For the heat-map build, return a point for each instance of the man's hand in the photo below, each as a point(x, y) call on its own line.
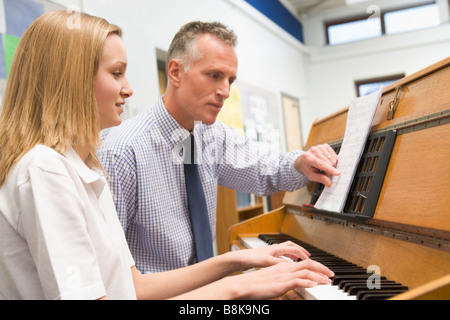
point(318, 164)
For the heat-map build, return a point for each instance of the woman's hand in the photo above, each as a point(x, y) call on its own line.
point(274, 281)
point(268, 256)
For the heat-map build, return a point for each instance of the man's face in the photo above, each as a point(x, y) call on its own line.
point(206, 85)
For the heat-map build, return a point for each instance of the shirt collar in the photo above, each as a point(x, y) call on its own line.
point(88, 175)
point(170, 129)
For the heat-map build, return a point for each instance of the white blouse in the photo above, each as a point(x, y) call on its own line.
point(60, 237)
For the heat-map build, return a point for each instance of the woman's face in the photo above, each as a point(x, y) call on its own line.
point(111, 86)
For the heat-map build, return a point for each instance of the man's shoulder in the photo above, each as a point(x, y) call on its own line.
point(125, 135)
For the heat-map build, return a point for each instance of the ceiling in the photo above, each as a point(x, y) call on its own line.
point(304, 8)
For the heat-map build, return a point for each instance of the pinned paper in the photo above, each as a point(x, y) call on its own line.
point(10, 44)
point(19, 14)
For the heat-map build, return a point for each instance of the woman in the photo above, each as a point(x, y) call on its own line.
point(60, 235)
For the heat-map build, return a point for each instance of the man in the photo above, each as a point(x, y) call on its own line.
point(144, 157)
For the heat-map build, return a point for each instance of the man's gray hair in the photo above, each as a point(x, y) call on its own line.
point(184, 44)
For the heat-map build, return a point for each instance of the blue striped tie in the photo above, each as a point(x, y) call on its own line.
point(197, 207)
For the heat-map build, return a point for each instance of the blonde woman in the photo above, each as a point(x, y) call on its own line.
point(60, 235)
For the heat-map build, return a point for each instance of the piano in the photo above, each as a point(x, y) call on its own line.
point(400, 250)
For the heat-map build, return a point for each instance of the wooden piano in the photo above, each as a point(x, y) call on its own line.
point(408, 236)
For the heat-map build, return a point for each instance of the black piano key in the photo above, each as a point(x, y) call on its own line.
point(332, 261)
point(348, 276)
point(338, 278)
point(354, 290)
point(345, 284)
point(371, 294)
point(349, 272)
point(380, 296)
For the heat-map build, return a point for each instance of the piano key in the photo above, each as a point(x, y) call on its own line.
point(354, 290)
point(347, 274)
point(378, 296)
point(349, 271)
point(345, 284)
point(324, 292)
point(338, 278)
point(252, 242)
point(372, 294)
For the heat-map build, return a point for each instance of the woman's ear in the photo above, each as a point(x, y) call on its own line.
point(175, 71)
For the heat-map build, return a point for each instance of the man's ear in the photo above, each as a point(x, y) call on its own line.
point(175, 72)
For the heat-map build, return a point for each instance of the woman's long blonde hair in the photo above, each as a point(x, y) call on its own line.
point(50, 97)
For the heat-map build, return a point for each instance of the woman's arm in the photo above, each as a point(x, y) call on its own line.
point(267, 283)
point(200, 281)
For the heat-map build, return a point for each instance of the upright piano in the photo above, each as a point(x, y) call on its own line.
point(405, 239)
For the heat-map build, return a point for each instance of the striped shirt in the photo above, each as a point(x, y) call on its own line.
point(144, 160)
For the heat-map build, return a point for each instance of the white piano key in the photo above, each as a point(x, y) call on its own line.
point(253, 243)
point(321, 292)
point(324, 292)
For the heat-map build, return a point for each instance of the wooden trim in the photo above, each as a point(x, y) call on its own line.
point(266, 223)
point(438, 289)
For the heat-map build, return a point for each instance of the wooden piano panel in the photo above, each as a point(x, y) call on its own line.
point(416, 190)
point(329, 129)
point(400, 260)
point(425, 270)
point(426, 92)
point(409, 235)
point(417, 183)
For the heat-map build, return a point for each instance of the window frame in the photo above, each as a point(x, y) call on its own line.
point(392, 77)
point(365, 16)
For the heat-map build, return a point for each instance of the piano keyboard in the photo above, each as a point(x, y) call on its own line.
point(350, 281)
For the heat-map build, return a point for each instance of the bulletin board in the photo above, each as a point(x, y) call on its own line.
point(252, 111)
point(292, 122)
point(15, 17)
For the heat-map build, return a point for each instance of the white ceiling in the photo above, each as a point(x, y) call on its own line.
point(305, 8)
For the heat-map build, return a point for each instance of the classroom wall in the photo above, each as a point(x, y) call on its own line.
point(269, 58)
point(320, 76)
point(332, 70)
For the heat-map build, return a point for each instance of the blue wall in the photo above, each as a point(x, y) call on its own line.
point(276, 12)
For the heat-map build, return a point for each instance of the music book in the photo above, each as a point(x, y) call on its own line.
point(359, 122)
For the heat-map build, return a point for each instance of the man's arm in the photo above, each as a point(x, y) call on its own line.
point(260, 169)
point(318, 164)
point(121, 177)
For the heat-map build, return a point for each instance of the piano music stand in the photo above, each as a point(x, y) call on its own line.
point(363, 195)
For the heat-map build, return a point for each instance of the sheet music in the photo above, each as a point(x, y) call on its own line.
point(359, 122)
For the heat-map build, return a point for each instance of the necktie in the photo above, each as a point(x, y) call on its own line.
point(197, 207)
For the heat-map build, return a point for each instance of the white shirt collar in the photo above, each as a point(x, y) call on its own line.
point(88, 175)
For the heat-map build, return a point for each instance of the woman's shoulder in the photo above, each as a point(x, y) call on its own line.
point(42, 158)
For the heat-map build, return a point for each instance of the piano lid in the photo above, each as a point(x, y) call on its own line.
point(415, 193)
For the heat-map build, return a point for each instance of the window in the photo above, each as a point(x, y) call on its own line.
point(412, 19)
point(367, 86)
point(378, 23)
point(353, 31)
